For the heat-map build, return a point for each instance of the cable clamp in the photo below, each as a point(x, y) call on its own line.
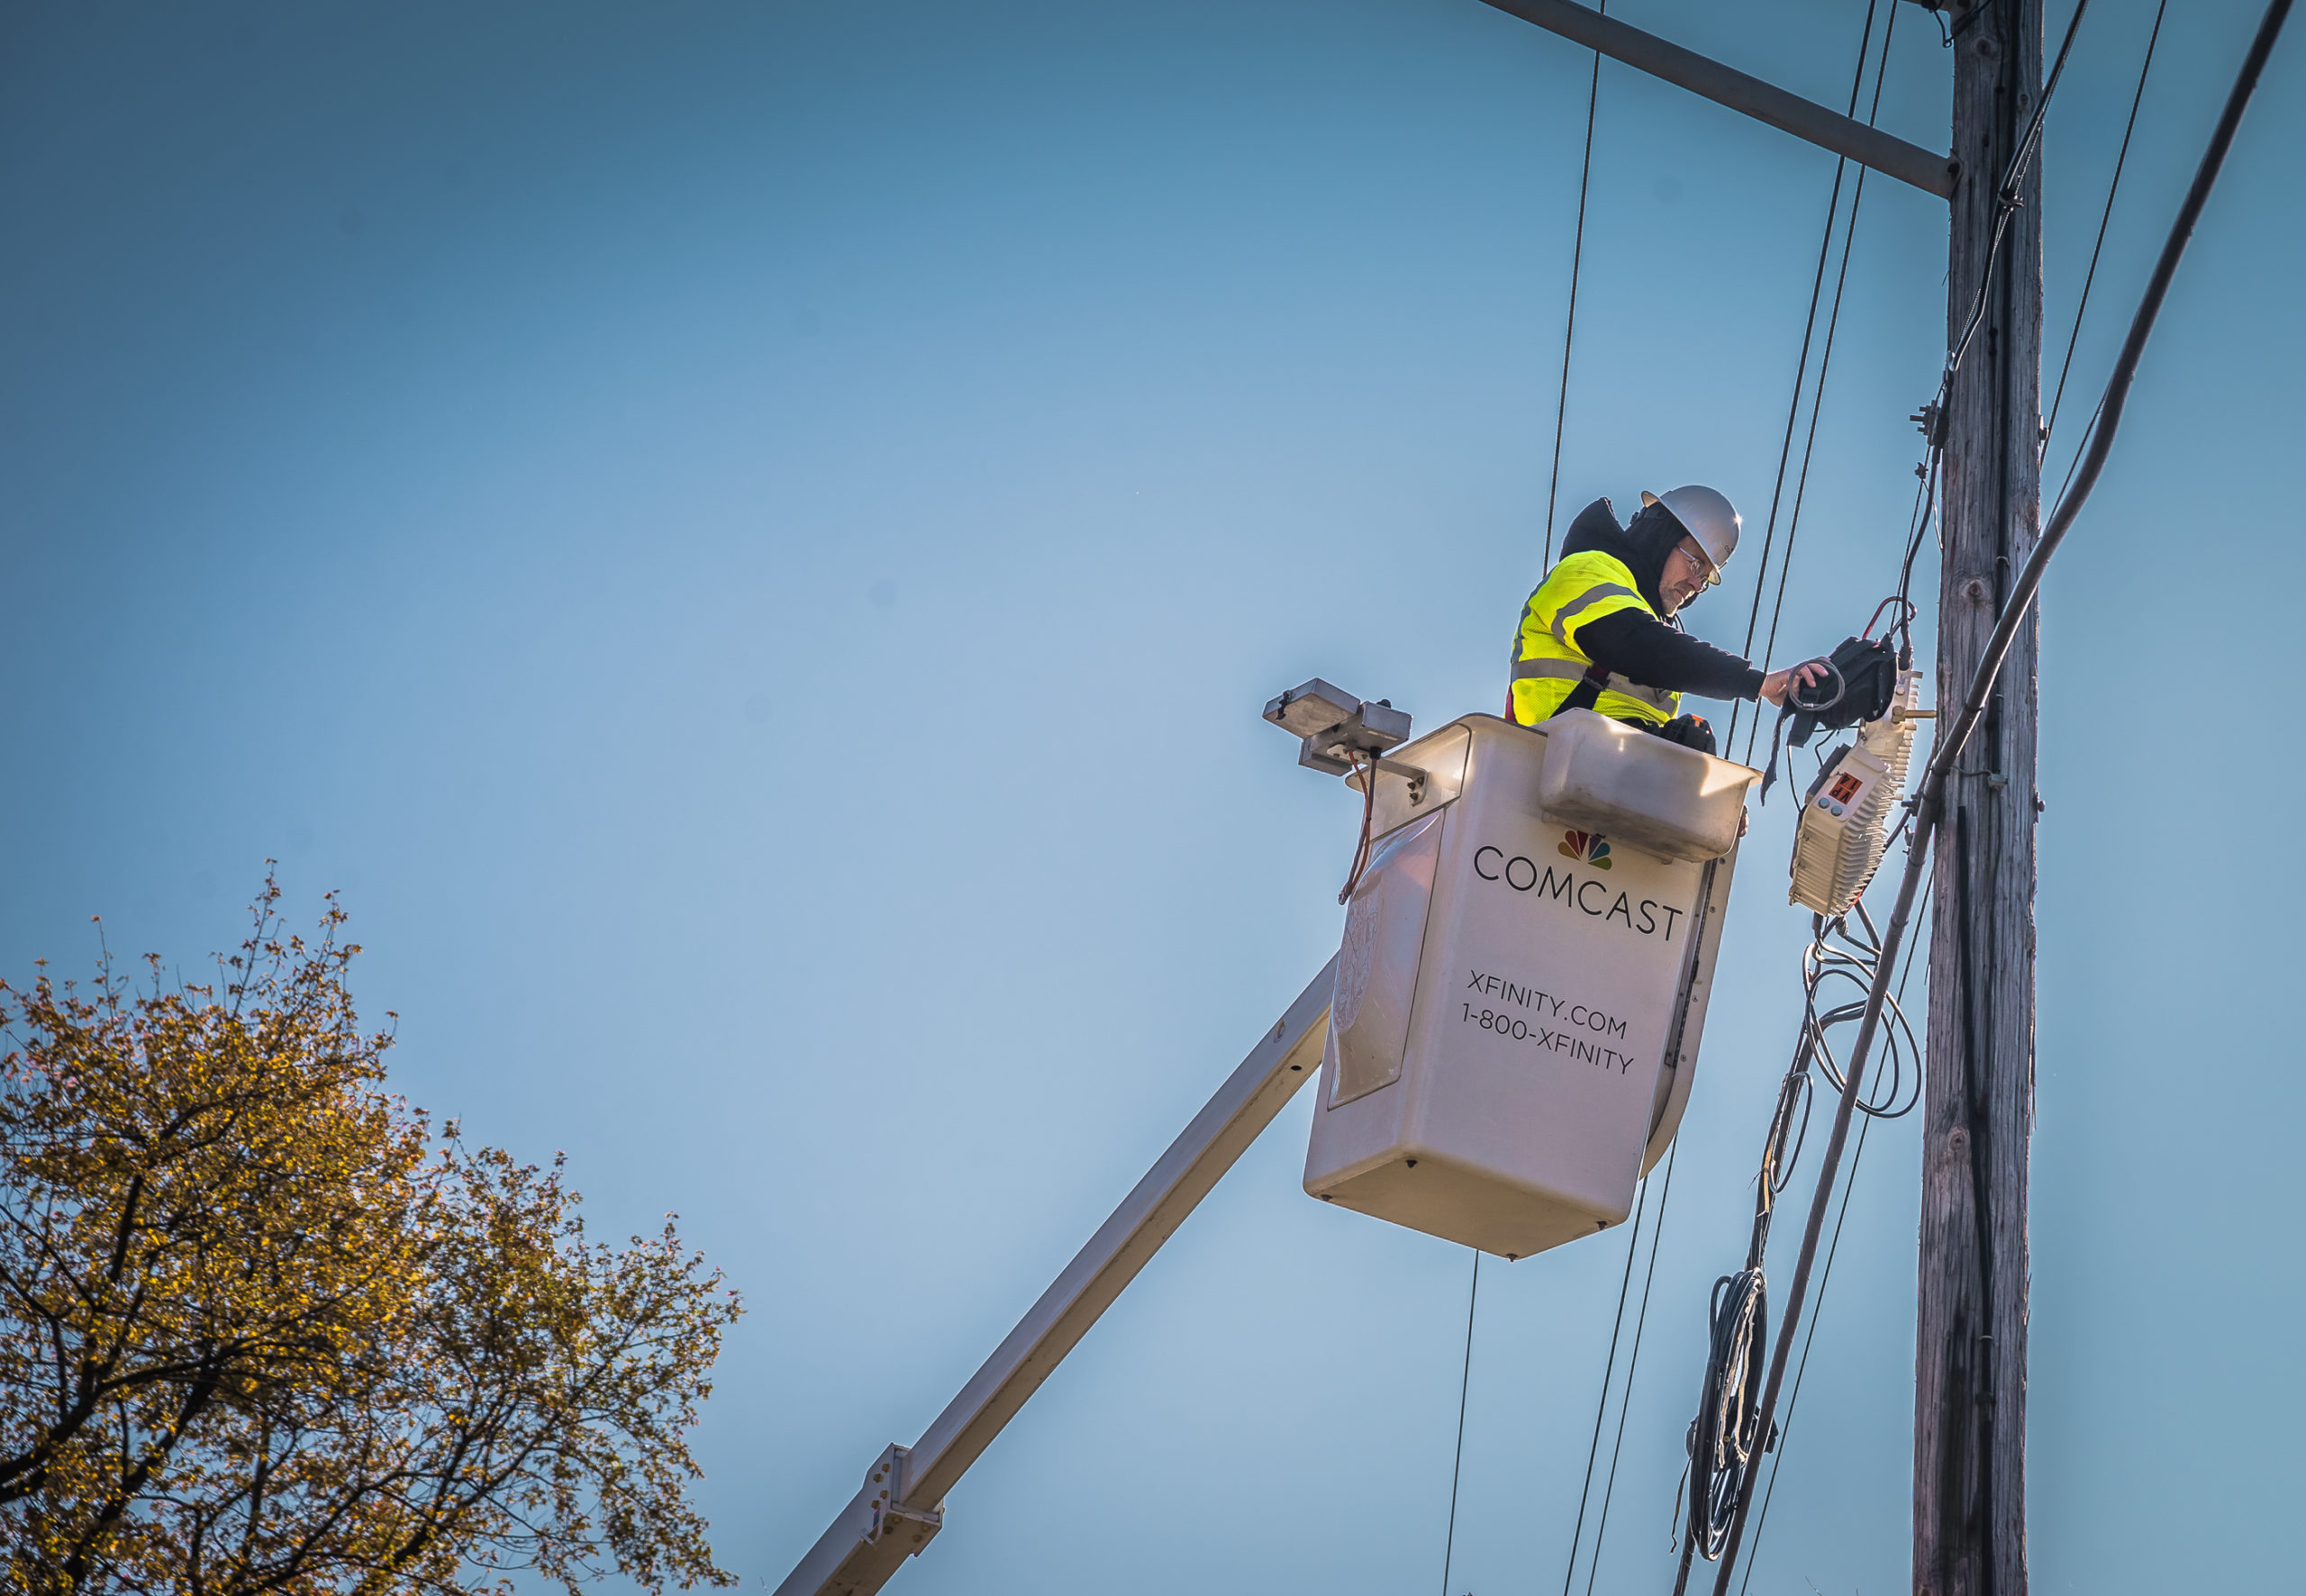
point(1930, 422)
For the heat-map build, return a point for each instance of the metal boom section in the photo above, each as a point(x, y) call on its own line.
point(901, 1505)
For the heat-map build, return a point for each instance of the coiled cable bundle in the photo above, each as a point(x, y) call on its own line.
point(1725, 1440)
point(1723, 1437)
point(1839, 953)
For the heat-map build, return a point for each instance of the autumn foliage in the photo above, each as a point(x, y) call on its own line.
point(262, 1330)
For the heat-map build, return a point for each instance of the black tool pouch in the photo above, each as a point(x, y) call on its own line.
point(1865, 673)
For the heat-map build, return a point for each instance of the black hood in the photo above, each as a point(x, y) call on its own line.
point(1642, 547)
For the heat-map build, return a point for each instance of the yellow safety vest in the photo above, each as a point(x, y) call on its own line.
point(1548, 664)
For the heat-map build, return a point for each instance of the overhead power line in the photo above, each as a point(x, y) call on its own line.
point(1928, 803)
point(1808, 331)
point(1465, 1385)
point(2090, 277)
point(1569, 328)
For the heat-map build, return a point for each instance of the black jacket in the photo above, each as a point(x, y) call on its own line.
point(1642, 648)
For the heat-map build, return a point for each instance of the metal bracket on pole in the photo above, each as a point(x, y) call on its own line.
point(885, 1493)
point(1846, 136)
point(901, 1505)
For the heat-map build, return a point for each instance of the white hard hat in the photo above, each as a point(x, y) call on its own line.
point(1705, 515)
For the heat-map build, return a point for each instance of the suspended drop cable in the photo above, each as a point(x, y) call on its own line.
point(1817, 402)
point(1809, 447)
point(1632, 1367)
point(1825, 247)
point(1838, 955)
point(1569, 328)
point(1801, 365)
point(1464, 1385)
point(1793, 418)
point(1729, 1435)
point(1928, 802)
point(2112, 188)
point(1609, 1372)
point(2011, 179)
point(2074, 463)
point(2090, 277)
point(1925, 516)
point(1777, 1453)
point(1734, 1426)
point(1825, 1279)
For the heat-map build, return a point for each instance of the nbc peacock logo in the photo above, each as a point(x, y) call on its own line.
point(1587, 848)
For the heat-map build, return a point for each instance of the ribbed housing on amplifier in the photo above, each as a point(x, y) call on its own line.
point(1843, 828)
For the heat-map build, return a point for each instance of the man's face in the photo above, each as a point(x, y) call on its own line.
point(1687, 574)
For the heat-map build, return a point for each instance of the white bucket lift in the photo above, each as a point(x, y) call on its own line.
point(1580, 870)
point(1524, 978)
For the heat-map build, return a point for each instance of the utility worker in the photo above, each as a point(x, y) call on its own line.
point(1602, 630)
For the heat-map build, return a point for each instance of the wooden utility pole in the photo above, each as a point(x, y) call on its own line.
point(1969, 1464)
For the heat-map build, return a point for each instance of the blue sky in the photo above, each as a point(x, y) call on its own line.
point(749, 542)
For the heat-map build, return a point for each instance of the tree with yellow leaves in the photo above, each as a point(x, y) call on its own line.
point(261, 1330)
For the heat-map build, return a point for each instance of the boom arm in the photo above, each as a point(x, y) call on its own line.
point(901, 1505)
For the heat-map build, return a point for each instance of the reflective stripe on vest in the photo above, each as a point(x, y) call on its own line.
point(1547, 664)
point(1568, 670)
point(1585, 600)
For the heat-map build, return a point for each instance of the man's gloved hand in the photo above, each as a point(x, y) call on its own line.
point(1774, 685)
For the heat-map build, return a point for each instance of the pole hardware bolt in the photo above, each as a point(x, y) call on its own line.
point(1929, 421)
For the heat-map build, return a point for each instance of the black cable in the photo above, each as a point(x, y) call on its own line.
point(1825, 1279)
point(1925, 508)
point(2116, 397)
point(1368, 818)
point(1727, 1436)
point(1632, 1366)
point(1730, 1439)
point(1609, 1372)
point(1976, 1145)
point(2011, 178)
point(1933, 415)
point(1802, 366)
point(1853, 961)
point(1778, 1456)
point(1730, 1430)
point(1817, 400)
point(2090, 277)
point(1465, 1385)
point(2074, 463)
point(1927, 805)
point(1570, 328)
